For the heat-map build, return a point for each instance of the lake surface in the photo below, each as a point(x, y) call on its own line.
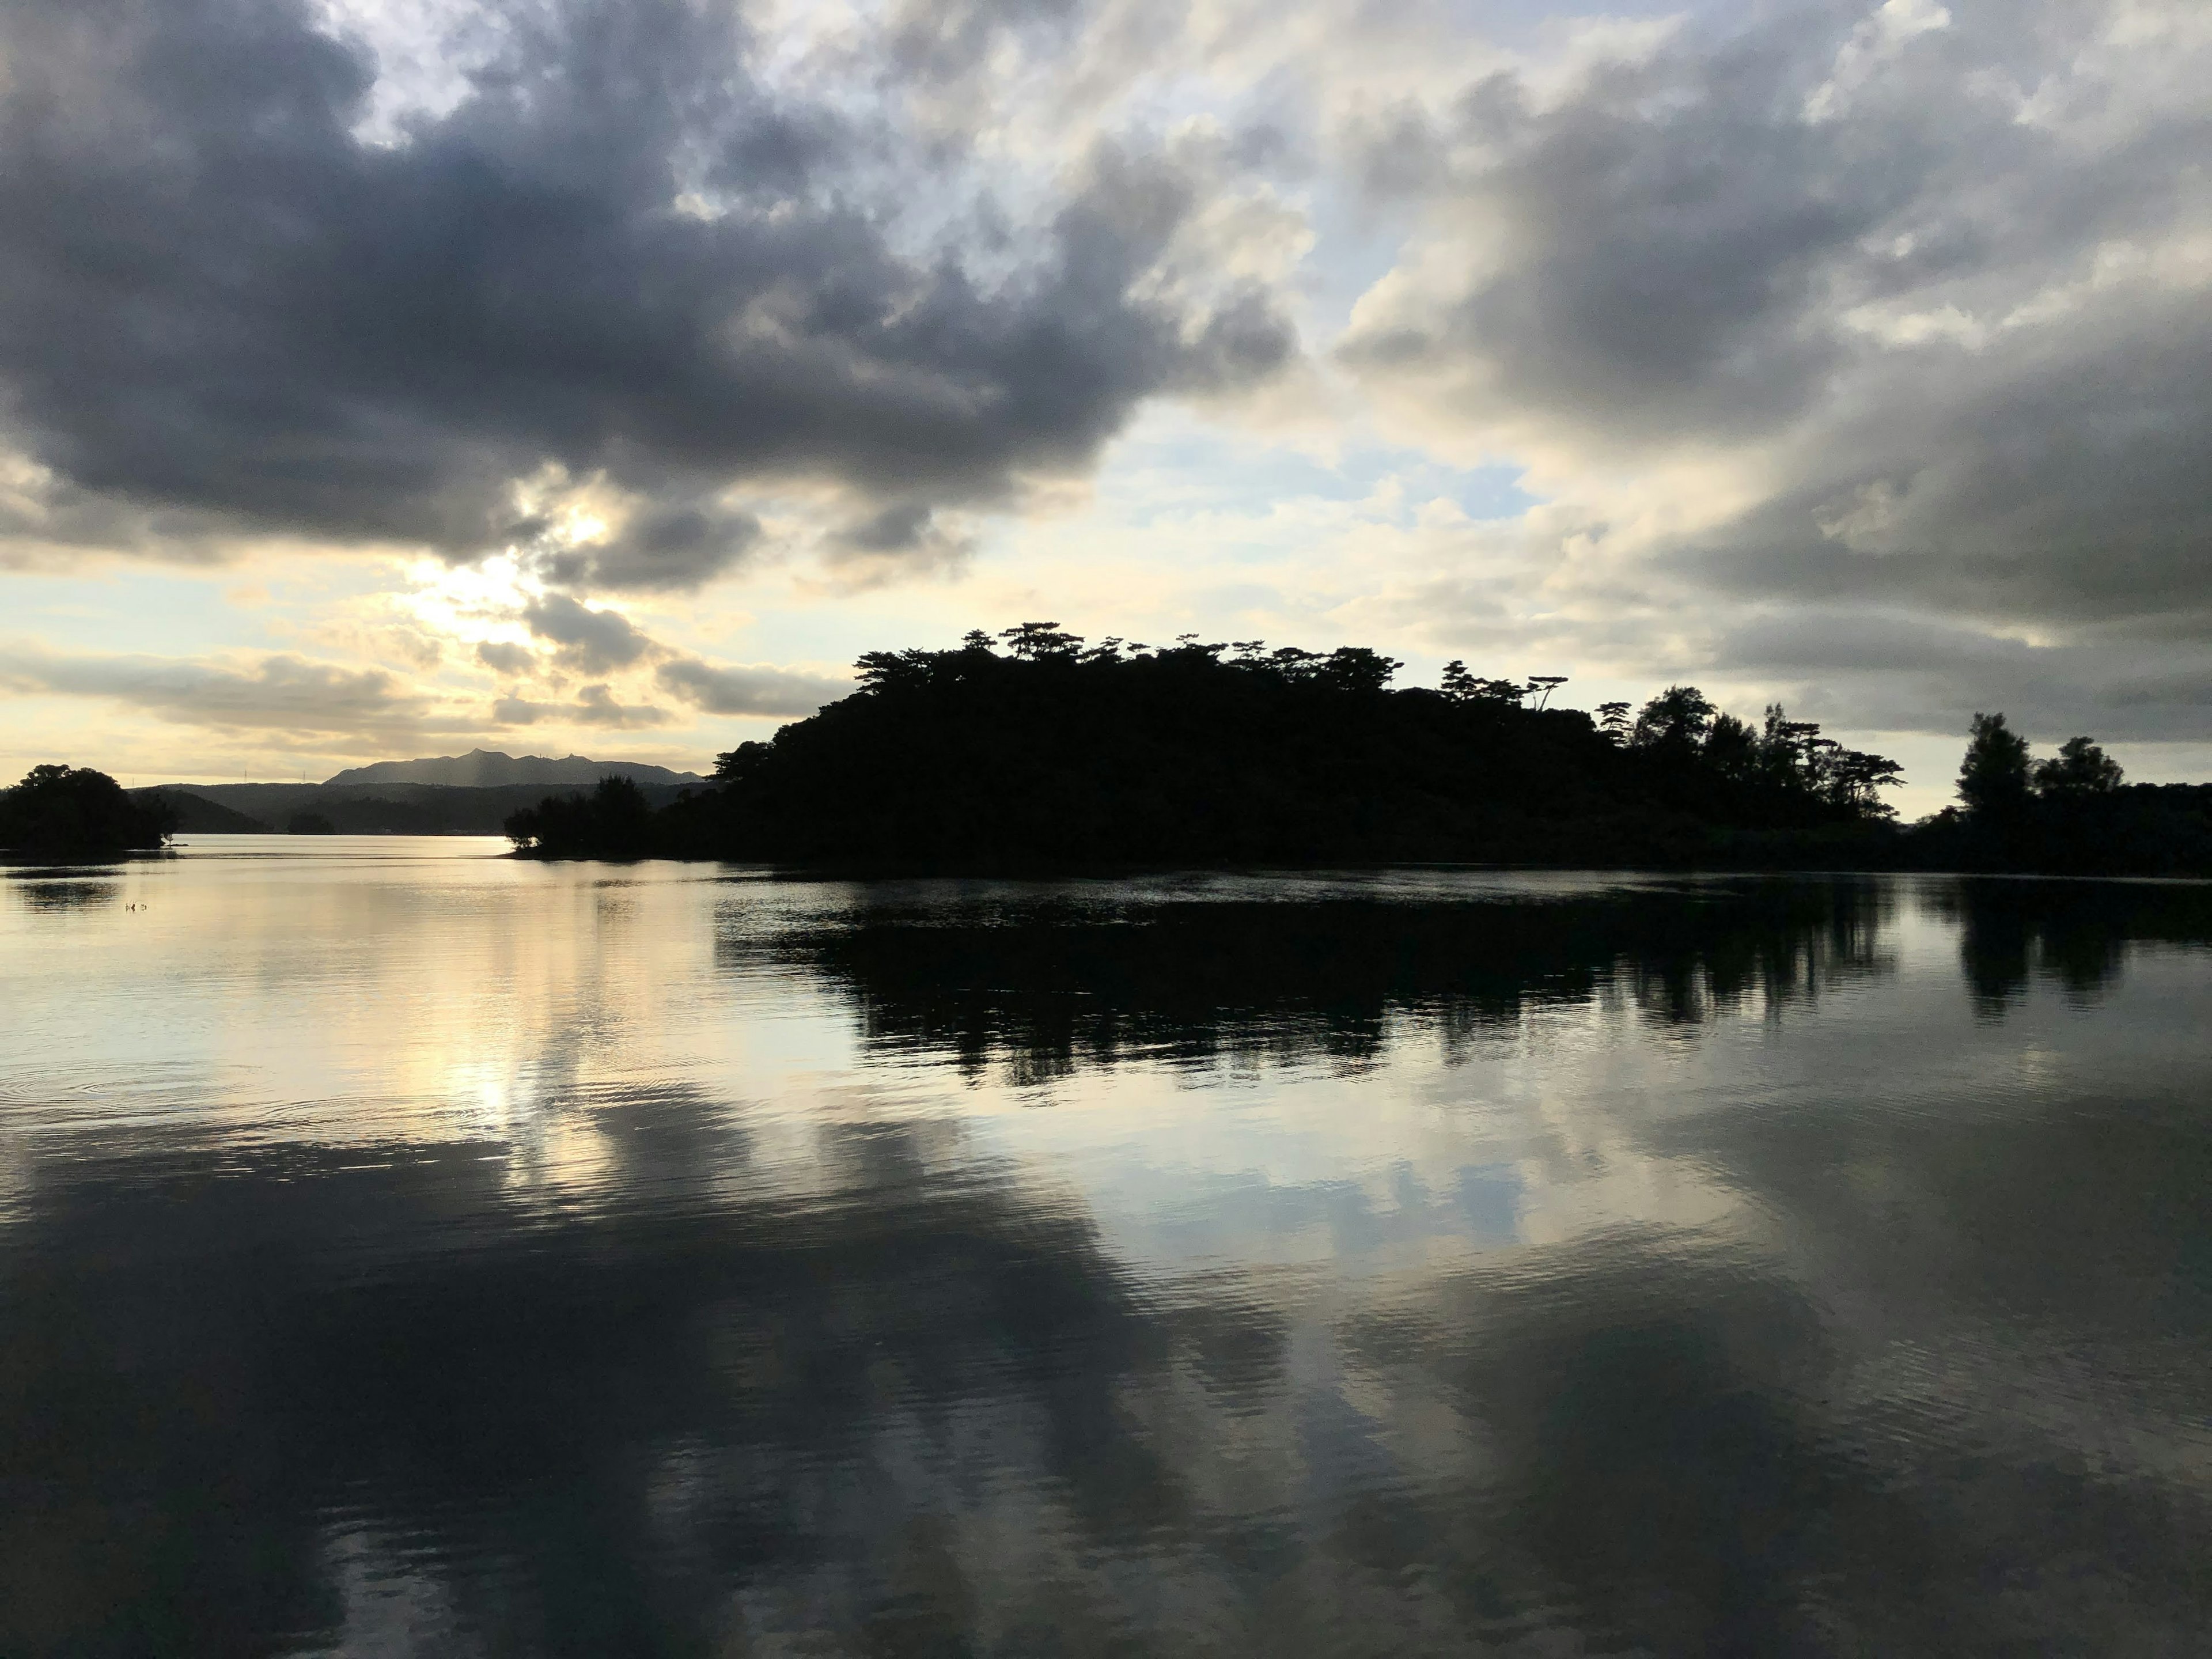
point(404, 1250)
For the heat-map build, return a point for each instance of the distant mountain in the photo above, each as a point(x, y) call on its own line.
point(483, 769)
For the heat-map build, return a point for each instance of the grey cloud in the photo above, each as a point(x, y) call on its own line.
point(591, 641)
point(943, 43)
point(1973, 390)
point(1652, 256)
point(218, 306)
point(662, 549)
point(281, 693)
point(2059, 479)
point(595, 705)
point(903, 537)
point(506, 658)
point(748, 690)
point(1896, 671)
point(895, 530)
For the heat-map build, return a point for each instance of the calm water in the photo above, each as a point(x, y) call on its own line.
point(402, 1250)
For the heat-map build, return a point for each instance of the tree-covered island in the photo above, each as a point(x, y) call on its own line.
point(69, 814)
point(1052, 754)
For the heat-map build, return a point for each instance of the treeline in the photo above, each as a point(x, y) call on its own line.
point(1038, 750)
point(2071, 813)
point(68, 812)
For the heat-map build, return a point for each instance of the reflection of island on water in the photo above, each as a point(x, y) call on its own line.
point(1051, 984)
point(43, 891)
point(2077, 932)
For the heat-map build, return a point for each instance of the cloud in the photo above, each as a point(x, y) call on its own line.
point(748, 690)
point(595, 705)
point(278, 693)
point(503, 657)
point(904, 538)
point(1898, 310)
point(1895, 671)
point(287, 695)
point(227, 310)
point(591, 641)
point(659, 550)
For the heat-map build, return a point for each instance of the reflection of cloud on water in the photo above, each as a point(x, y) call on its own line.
point(393, 1405)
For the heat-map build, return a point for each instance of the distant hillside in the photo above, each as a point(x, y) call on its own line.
point(485, 768)
point(195, 813)
point(391, 808)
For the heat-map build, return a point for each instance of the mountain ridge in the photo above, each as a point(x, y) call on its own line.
point(483, 769)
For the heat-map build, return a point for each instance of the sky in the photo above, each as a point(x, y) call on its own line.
point(382, 378)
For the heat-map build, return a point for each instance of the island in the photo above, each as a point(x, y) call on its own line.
point(1036, 752)
point(69, 814)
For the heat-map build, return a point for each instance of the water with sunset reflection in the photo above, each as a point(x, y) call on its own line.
point(405, 1248)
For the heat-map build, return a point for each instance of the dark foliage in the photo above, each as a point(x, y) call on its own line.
point(309, 823)
point(2071, 815)
point(72, 813)
point(2138, 829)
point(1993, 778)
point(1053, 755)
point(614, 820)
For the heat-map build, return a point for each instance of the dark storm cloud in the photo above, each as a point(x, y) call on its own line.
point(747, 690)
point(218, 305)
point(1932, 269)
point(591, 641)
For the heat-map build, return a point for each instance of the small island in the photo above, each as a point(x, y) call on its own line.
point(1039, 752)
point(74, 815)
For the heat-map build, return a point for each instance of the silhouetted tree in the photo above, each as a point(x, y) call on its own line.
point(1037, 641)
point(1356, 668)
point(1731, 748)
point(2081, 768)
point(1857, 778)
point(1993, 778)
point(1463, 686)
point(1675, 721)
